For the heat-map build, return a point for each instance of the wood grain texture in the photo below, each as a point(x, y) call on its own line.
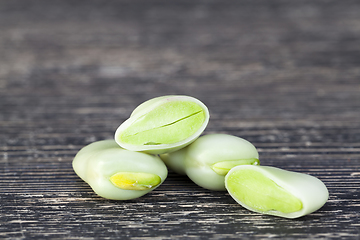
point(284, 75)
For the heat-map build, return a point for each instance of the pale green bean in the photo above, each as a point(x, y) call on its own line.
point(163, 124)
point(119, 174)
point(274, 191)
point(208, 159)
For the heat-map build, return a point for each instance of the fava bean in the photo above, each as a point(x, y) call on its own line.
point(163, 124)
point(274, 191)
point(119, 174)
point(208, 159)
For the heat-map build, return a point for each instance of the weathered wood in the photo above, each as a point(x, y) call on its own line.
point(282, 74)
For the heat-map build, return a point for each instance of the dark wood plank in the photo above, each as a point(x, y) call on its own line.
point(284, 75)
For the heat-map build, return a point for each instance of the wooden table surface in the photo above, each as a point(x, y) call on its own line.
point(284, 75)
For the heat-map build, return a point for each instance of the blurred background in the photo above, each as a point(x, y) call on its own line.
point(86, 64)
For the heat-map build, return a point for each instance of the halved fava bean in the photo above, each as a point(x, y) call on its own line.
point(208, 159)
point(116, 173)
point(274, 191)
point(163, 124)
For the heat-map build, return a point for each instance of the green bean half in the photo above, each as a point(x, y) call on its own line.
point(275, 191)
point(163, 124)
